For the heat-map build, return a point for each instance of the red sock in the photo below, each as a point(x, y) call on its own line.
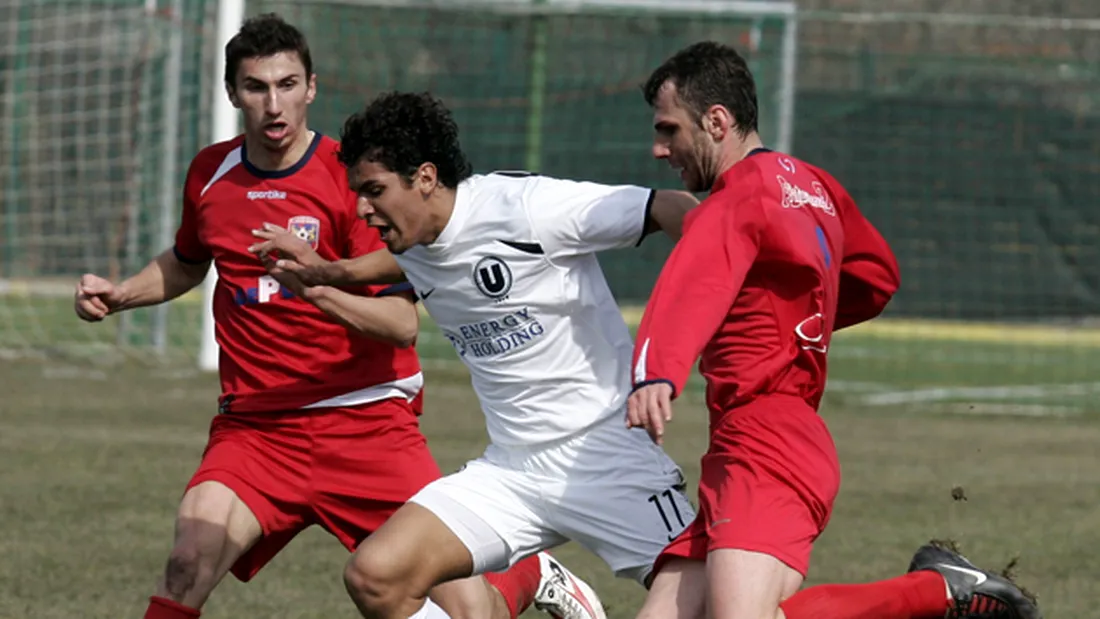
point(163, 608)
point(917, 595)
point(518, 585)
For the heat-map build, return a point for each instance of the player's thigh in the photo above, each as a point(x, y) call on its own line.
point(369, 460)
point(630, 510)
point(747, 585)
point(497, 513)
point(678, 591)
point(253, 464)
point(768, 482)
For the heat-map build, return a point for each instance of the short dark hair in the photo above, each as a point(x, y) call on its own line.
point(707, 74)
point(262, 36)
point(402, 131)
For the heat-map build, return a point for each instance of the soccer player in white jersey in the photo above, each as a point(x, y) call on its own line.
point(506, 266)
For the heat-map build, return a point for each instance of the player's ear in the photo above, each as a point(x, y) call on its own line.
point(311, 89)
point(231, 92)
point(718, 122)
point(427, 177)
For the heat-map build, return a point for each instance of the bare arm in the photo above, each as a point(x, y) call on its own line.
point(163, 279)
point(297, 257)
point(668, 210)
point(377, 267)
point(391, 319)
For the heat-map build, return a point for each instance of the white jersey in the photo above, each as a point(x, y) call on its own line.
point(514, 283)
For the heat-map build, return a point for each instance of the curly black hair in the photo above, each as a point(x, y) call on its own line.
point(402, 131)
point(707, 74)
point(262, 36)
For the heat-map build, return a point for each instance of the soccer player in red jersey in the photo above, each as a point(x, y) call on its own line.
point(315, 425)
point(773, 261)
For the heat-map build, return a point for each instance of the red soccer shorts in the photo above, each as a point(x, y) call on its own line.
point(346, 469)
point(768, 482)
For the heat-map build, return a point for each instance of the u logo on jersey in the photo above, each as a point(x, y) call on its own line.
point(493, 277)
point(306, 228)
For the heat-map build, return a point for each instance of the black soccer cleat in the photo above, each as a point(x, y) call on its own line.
point(977, 593)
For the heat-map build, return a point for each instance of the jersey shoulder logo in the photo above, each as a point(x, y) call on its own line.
point(493, 277)
point(306, 228)
point(797, 197)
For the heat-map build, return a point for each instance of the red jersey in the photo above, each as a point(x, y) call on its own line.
point(773, 261)
point(279, 352)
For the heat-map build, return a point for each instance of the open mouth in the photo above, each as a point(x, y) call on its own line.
point(383, 231)
point(276, 130)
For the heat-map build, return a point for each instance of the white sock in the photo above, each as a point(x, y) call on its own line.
point(430, 610)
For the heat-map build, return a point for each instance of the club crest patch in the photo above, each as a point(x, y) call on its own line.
point(306, 228)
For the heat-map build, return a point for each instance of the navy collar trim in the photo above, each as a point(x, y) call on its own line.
point(268, 174)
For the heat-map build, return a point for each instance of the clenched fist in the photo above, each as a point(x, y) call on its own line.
point(95, 297)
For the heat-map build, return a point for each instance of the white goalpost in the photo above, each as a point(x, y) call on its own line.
point(231, 13)
point(224, 126)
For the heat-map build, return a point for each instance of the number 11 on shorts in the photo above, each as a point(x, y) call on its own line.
point(656, 500)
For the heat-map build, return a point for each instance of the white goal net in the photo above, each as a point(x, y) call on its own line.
point(104, 102)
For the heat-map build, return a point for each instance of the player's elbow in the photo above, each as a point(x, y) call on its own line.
point(882, 293)
point(404, 326)
point(405, 337)
point(180, 276)
point(860, 304)
point(396, 334)
point(876, 282)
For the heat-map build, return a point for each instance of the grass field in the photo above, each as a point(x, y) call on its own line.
point(95, 456)
point(1011, 370)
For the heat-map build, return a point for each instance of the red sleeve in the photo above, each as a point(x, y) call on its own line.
point(869, 274)
point(696, 288)
point(189, 248)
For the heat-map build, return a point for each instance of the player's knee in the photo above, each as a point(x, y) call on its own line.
point(379, 583)
point(185, 572)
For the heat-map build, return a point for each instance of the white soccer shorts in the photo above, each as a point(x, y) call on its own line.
point(608, 488)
